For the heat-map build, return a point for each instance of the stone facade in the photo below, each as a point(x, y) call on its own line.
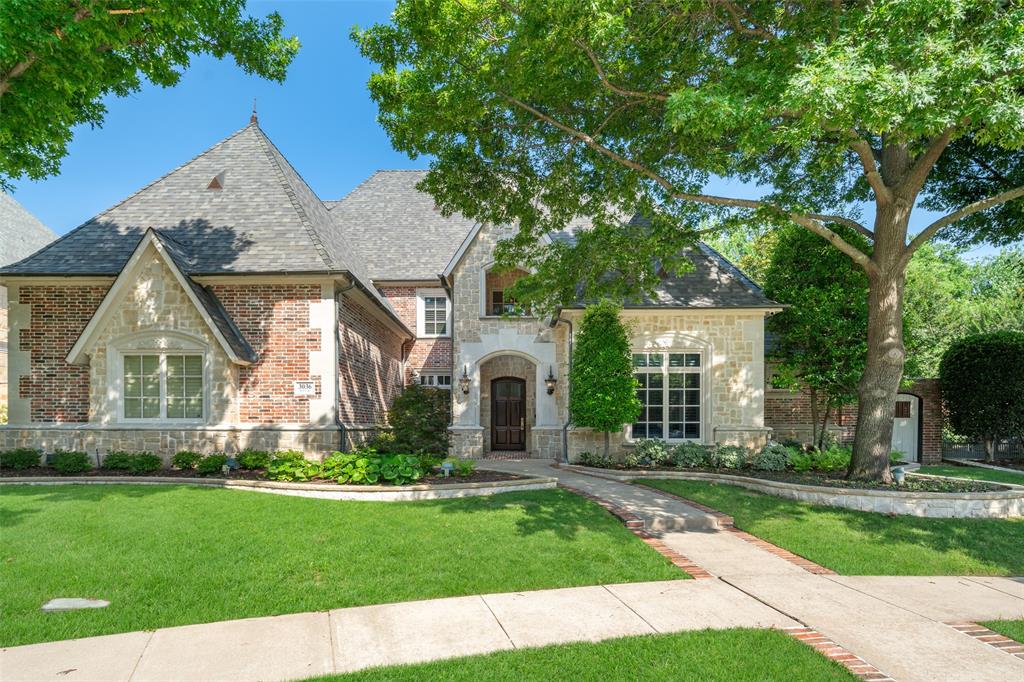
point(508, 366)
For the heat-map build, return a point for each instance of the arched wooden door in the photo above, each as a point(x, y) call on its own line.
point(508, 414)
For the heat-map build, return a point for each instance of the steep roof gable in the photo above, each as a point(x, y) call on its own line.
point(21, 233)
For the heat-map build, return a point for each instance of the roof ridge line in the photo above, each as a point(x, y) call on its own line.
point(352, 191)
point(134, 194)
point(318, 244)
point(733, 269)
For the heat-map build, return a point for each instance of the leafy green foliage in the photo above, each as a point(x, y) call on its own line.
point(982, 380)
point(463, 468)
point(689, 455)
point(186, 459)
point(70, 462)
point(211, 465)
point(253, 459)
point(651, 452)
point(132, 462)
point(419, 417)
point(728, 457)
point(59, 60)
point(19, 458)
point(603, 391)
point(292, 465)
point(820, 341)
point(774, 457)
point(595, 459)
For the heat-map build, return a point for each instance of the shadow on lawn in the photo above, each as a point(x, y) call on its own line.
point(545, 511)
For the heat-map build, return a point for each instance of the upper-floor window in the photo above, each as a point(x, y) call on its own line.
point(669, 389)
point(497, 301)
point(432, 313)
point(162, 386)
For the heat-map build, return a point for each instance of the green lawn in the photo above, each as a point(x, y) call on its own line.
point(704, 656)
point(1014, 629)
point(974, 473)
point(171, 555)
point(865, 543)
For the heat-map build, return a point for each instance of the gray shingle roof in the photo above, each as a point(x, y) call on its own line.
point(21, 233)
point(399, 230)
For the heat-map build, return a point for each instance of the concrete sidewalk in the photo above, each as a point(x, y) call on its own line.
point(309, 644)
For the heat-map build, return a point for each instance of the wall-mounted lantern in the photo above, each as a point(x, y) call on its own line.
point(551, 381)
point(464, 381)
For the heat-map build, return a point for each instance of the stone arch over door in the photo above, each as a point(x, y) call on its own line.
point(514, 367)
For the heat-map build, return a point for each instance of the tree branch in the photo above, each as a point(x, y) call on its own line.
point(813, 222)
point(867, 160)
point(735, 16)
point(918, 173)
point(967, 210)
point(661, 97)
point(21, 67)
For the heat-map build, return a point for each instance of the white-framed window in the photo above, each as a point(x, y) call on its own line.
point(436, 380)
point(433, 314)
point(670, 391)
point(165, 386)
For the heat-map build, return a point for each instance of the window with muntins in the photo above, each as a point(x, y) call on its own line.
point(163, 386)
point(436, 380)
point(435, 315)
point(670, 394)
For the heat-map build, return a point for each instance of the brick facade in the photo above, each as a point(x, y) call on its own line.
point(369, 363)
point(275, 320)
point(57, 391)
point(421, 354)
point(788, 413)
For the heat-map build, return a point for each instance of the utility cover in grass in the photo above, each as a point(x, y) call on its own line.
point(73, 604)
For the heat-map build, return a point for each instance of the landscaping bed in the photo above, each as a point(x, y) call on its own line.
point(862, 543)
point(179, 554)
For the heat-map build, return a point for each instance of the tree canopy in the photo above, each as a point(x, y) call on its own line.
point(59, 59)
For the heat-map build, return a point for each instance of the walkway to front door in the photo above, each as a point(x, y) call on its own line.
point(508, 414)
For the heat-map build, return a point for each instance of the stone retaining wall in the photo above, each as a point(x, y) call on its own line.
point(992, 505)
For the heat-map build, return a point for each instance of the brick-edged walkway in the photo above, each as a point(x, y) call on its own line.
point(728, 525)
point(990, 637)
point(829, 649)
point(636, 525)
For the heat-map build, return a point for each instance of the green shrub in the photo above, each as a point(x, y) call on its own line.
point(71, 462)
point(728, 457)
point(630, 458)
point(688, 455)
point(186, 459)
point(253, 459)
point(651, 452)
point(775, 457)
point(118, 461)
point(835, 458)
point(383, 441)
point(211, 464)
point(464, 468)
point(402, 469)
point(145, 462)
point(291, 465)
point(801, 461)
point(593, 459)
point(20, 458)
point(419, 418)
point(895, 457)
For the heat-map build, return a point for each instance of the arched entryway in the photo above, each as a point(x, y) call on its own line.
point(507, 403)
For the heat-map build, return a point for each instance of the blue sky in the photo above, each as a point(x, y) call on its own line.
point(321, 118)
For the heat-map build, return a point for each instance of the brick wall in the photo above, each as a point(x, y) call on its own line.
point(57, 391)
point(422, 354)
point(274, 319)
point(788, 413)
point(369, 365)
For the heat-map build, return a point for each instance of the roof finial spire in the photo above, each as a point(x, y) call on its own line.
point(252, 119)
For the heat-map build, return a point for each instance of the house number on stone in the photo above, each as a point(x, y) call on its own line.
point(305, 388)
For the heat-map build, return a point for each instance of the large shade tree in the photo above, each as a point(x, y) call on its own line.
point(59, 58)
point(831, 113)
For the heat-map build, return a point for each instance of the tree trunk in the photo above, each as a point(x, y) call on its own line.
point(883, 370)
point(990, 449)
point(824, 426)
point(815, 441)
point(607, 444)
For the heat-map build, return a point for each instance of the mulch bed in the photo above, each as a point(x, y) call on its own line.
point(478, 476)
point(837, 480)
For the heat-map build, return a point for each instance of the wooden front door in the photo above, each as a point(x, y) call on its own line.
point(508, 414)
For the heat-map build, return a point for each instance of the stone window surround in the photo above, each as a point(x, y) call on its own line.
point(485, 303)
point(421, 295)
point(677, 342)
point(153, 343)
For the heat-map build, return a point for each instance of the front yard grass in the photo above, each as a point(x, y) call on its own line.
point(172, 555)
point(1014, 629)
point(702, 656)
point(865, 543)
point(973, 473)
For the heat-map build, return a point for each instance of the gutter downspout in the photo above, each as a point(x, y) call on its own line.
point(451, 349)
point(338, 296)
point(568, 388)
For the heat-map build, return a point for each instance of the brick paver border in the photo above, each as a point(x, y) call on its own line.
point(990, 637)
point(829, 649)
point(728, 524)
point(635, 525)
